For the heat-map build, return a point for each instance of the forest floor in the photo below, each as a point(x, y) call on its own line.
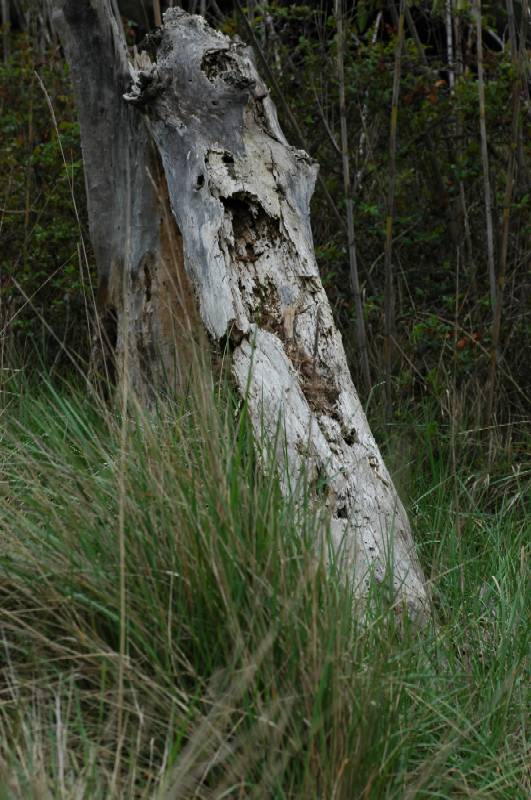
point(168, 631)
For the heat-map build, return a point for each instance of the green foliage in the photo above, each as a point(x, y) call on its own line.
point(44, 273)
point(248, 670)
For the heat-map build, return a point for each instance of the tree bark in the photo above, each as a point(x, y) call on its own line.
point(389, 291)
point(476, 10)
point(137, 244)
point(192, 183)
point(361, 334)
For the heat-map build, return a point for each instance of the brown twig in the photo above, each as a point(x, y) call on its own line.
point(485, 155)
point(504, 245)
point(389, 300)
point(361, 334)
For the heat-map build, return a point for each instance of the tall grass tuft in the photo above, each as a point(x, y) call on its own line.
point(247, 673)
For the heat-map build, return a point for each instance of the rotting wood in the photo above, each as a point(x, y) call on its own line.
point(239, 196)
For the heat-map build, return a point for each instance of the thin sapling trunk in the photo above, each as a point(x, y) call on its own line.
point(389, 298)
point(361, 335)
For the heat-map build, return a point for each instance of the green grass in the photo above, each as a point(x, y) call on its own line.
point(246, 673)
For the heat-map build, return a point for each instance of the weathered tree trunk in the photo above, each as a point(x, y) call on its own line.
point(191, 183)
point(137, 244)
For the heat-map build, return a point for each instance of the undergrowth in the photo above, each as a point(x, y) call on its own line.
point(237, 667)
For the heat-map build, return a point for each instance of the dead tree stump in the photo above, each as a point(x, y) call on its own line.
point(199, 212)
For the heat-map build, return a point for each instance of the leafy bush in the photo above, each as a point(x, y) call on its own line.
point(45, 273)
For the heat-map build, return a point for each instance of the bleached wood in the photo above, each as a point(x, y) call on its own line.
point(240, 196)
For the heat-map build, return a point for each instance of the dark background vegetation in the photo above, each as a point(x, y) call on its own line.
point(443, 308)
